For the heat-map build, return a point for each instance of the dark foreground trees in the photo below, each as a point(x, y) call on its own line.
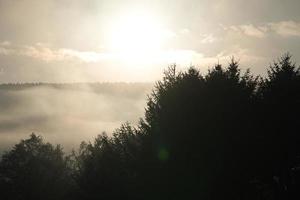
point(35, 170)
point(223, 135)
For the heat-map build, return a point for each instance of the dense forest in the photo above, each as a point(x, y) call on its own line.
point(219, 135)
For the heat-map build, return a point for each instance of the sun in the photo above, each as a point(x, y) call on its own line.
point(141, 40)
point(136, 33)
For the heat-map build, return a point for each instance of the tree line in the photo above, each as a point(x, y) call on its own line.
point(220, 135)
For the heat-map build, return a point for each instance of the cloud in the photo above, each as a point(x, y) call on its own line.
point(185, 31)
point(4, 51)
point(250, 30)
point(183, 57)
point(282, 28)
point(286, 28)
point(47, 54)
point(244, 55)
point(188, 57)
point(208, 38)
point(5, 43)
point(42, 52)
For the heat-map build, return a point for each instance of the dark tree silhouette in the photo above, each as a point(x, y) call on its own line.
point(203, 136)
point(34, 170)
point(106, 169)
point(279, 114)
point(203, 122)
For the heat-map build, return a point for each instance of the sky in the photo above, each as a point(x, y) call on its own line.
point(127, 40)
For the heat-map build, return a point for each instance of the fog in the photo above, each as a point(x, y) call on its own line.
point(68, 113)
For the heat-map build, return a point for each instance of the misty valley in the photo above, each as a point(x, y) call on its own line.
point(68, 113)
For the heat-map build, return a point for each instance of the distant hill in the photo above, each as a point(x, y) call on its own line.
point(99, 87)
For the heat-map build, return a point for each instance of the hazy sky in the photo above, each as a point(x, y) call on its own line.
point(110, 40)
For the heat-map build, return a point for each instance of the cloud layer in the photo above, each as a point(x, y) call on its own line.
point(67, 40)
point(282, 28)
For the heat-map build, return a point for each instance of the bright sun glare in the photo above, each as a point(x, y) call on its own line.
point(139, 38)
point(137, 32)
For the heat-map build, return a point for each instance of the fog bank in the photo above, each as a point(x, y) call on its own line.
point(68, 113)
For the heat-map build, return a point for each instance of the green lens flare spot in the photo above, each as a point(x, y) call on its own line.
point(163, 155)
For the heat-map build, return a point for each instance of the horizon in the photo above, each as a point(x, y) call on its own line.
point(263, 73)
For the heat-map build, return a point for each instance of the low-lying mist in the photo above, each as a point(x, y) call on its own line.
point(68, 113)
